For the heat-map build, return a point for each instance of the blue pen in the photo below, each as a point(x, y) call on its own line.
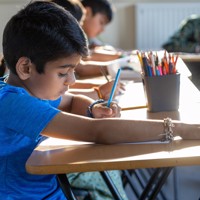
point(114, 87)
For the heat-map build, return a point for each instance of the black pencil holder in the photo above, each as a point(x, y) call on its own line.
point(162, 92)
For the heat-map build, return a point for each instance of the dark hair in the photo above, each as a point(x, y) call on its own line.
point(75, 7)
point(42, 32)
point(100, 6)
point(2, 66)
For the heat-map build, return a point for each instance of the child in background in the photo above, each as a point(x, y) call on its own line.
point(91, 90)
point(99, 13)
point(42, 44)
point(75, 7)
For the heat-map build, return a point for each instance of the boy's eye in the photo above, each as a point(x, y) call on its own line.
point(62, 75)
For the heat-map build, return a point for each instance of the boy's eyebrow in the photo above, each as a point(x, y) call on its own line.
point(67, 65)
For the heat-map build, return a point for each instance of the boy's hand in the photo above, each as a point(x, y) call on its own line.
point(107, 87)
point(102, 111)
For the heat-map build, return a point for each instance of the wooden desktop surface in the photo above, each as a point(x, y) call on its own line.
point(55, 156)
point(189, 57)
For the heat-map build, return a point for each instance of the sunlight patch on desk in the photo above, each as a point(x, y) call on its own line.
point(55, 143)
point(136, 99)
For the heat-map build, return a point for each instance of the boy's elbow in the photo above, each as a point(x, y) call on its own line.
point(102, 137)
point(103, 140)
point(101, 133)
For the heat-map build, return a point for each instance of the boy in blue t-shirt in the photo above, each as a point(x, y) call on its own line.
point(42, 44)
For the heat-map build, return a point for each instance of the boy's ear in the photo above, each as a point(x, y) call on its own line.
point(88, 12)
point(24, 68)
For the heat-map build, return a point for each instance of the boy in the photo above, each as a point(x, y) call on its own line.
point(75, 7)
point(42, 44)
point(94, 91)
point(99, 13)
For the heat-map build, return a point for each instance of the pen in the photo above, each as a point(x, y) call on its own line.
point(114, 87)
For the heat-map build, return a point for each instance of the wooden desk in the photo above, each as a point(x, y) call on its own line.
point(193, 63)
point(134, 97)
point(189, 57)
point(55, 156)
point(135, 64)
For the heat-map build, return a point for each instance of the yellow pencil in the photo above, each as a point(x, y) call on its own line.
point(134, 107)
point(140, 58)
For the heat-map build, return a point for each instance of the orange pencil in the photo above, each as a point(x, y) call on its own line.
point(174, 70)
point(176, 60)
point(166, 65)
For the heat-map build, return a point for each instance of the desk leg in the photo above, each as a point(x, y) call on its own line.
point(151, 182)
point(111, 185)
point(155, 183)
point(127, 179)
point(65, 185)
point(166, 172)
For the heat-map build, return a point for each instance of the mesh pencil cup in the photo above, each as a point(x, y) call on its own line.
point(162, 92)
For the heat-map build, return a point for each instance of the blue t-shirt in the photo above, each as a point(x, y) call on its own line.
point(22, 118)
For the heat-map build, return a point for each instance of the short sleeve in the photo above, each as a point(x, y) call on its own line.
point(25, 114)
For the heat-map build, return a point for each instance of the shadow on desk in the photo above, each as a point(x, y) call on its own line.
point(194, 67)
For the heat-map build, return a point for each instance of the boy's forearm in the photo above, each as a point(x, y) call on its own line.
point(88, 70)
point(104, 56)
point(83, 85)
point(75, 104)
point(87, 92)
point(139, 130)
point(80, 104)
point(113, 130)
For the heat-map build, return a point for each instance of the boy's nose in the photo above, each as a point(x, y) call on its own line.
point(71, 81)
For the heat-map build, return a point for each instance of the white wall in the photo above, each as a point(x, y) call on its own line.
point(119, 33)
point(7, 10)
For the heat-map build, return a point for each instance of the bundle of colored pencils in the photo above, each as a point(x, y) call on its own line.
point(152, 65)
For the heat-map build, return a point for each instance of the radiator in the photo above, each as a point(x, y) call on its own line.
point(156, 22)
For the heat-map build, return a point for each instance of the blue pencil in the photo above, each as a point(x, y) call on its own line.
point(114, 87)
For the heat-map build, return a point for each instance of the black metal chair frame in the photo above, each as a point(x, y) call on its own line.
point(150, 190)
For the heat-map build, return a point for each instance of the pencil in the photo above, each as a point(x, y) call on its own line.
point(114, 87)
point(104, 73)
point(134, 107)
